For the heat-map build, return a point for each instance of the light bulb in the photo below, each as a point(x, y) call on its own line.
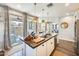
point(67, 4)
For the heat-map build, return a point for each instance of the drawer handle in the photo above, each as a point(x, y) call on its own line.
point(42, 45)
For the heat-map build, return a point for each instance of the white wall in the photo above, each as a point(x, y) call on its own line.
point(67, 34)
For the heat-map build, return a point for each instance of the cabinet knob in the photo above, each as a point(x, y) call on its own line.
point(43, 45)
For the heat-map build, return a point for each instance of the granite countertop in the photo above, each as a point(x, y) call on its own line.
point(34, 45)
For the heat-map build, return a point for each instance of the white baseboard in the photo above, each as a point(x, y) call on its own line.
point(68, 40)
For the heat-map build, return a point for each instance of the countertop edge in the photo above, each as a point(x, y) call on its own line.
point(37, 43)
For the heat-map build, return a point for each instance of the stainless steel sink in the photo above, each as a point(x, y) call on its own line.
point(46, 36)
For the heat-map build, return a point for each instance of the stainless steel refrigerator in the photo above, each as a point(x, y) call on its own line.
point(77, 37)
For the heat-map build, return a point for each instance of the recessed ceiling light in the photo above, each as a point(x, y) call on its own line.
point(67, 13)
point(67, 4)
point(18, 6)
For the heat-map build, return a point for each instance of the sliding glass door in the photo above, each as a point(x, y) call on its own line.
point(16, 29)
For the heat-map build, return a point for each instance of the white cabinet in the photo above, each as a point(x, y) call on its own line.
point(44, 49)
point(30, 51)
point(48, 47)
point(52, 44)
point(41, 50)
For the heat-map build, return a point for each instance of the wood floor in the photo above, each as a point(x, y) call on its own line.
point(65, 48)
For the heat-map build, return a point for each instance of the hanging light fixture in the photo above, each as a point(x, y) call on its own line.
point(48, 14)
point(35, 8)
point(42, 16)
point(34, 18)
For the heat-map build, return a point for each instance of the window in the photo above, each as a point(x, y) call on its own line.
point(16, 29)
point(55, 27)
point(31, 25)
point(1, 28)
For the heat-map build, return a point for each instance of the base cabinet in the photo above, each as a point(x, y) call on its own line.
point(41, 50)
point(44, 49)
point(48, 48)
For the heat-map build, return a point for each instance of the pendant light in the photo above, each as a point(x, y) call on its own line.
point(34, 19)
point(48, 6)
point(48, 13)
point(42, 16)
point(47, 16)
point(35, 8)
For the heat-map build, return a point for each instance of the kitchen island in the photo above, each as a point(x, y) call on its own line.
point(42, 48)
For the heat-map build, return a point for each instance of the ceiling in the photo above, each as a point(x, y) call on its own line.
point(58, 9)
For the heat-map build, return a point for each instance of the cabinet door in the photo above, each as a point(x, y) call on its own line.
point(48, 47)
point(30, 51)
point(52, 44)
point(41, 50)
point(1, 34)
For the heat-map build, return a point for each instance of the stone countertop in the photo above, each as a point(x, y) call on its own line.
point(34, 45)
